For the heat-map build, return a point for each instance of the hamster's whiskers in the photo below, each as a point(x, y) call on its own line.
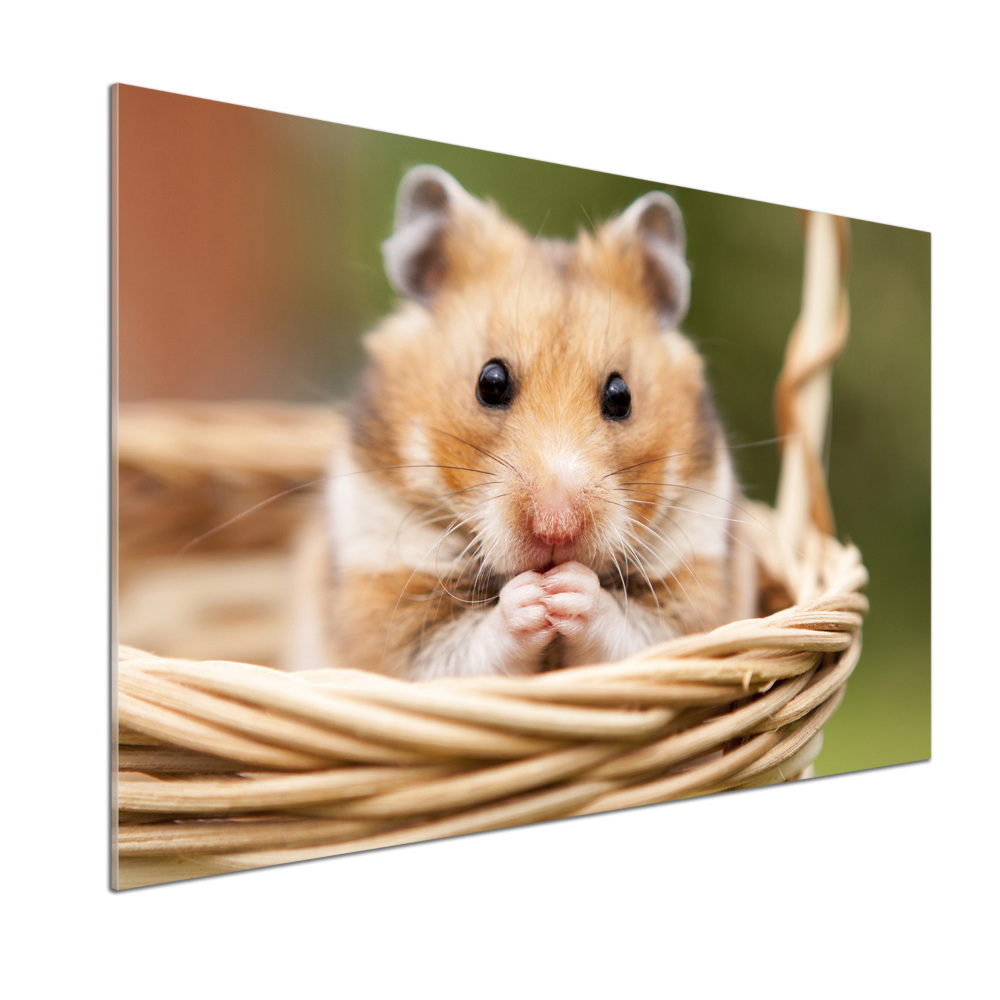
point(695, 489)
point(460, 570)
point(742, 542)
point(684, 563)
point(642, 569)
point(695, 451)
point(482, 451)
point(458, 522)
point(636, 559)
point(245, 513)
point(429, 504)
point(393, 468)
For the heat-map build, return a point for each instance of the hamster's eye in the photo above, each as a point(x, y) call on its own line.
point(616, 403)
point(495, 386)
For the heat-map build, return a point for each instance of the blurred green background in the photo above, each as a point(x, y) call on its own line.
point(251, 266)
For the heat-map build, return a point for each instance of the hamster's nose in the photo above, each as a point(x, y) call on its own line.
point(556, 519)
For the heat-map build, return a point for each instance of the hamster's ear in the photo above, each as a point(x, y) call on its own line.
point(653, 223)
point(429, 203)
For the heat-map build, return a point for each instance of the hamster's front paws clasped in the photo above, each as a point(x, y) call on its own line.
point(567, 601)
point(573, 599)
point(522, 605)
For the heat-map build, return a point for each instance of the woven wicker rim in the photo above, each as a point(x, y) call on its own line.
point(227, 765)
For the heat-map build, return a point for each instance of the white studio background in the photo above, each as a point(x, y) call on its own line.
point(876, 882)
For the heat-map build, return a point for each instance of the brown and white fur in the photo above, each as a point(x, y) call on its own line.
point(465, 539)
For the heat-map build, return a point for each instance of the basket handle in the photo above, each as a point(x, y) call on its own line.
point(802, 395)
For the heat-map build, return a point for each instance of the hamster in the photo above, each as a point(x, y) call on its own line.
point(532, 473)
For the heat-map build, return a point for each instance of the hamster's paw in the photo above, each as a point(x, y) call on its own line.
point(573, 599)
point(524, 613)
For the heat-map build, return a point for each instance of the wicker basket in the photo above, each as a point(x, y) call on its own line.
point(224, 766)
